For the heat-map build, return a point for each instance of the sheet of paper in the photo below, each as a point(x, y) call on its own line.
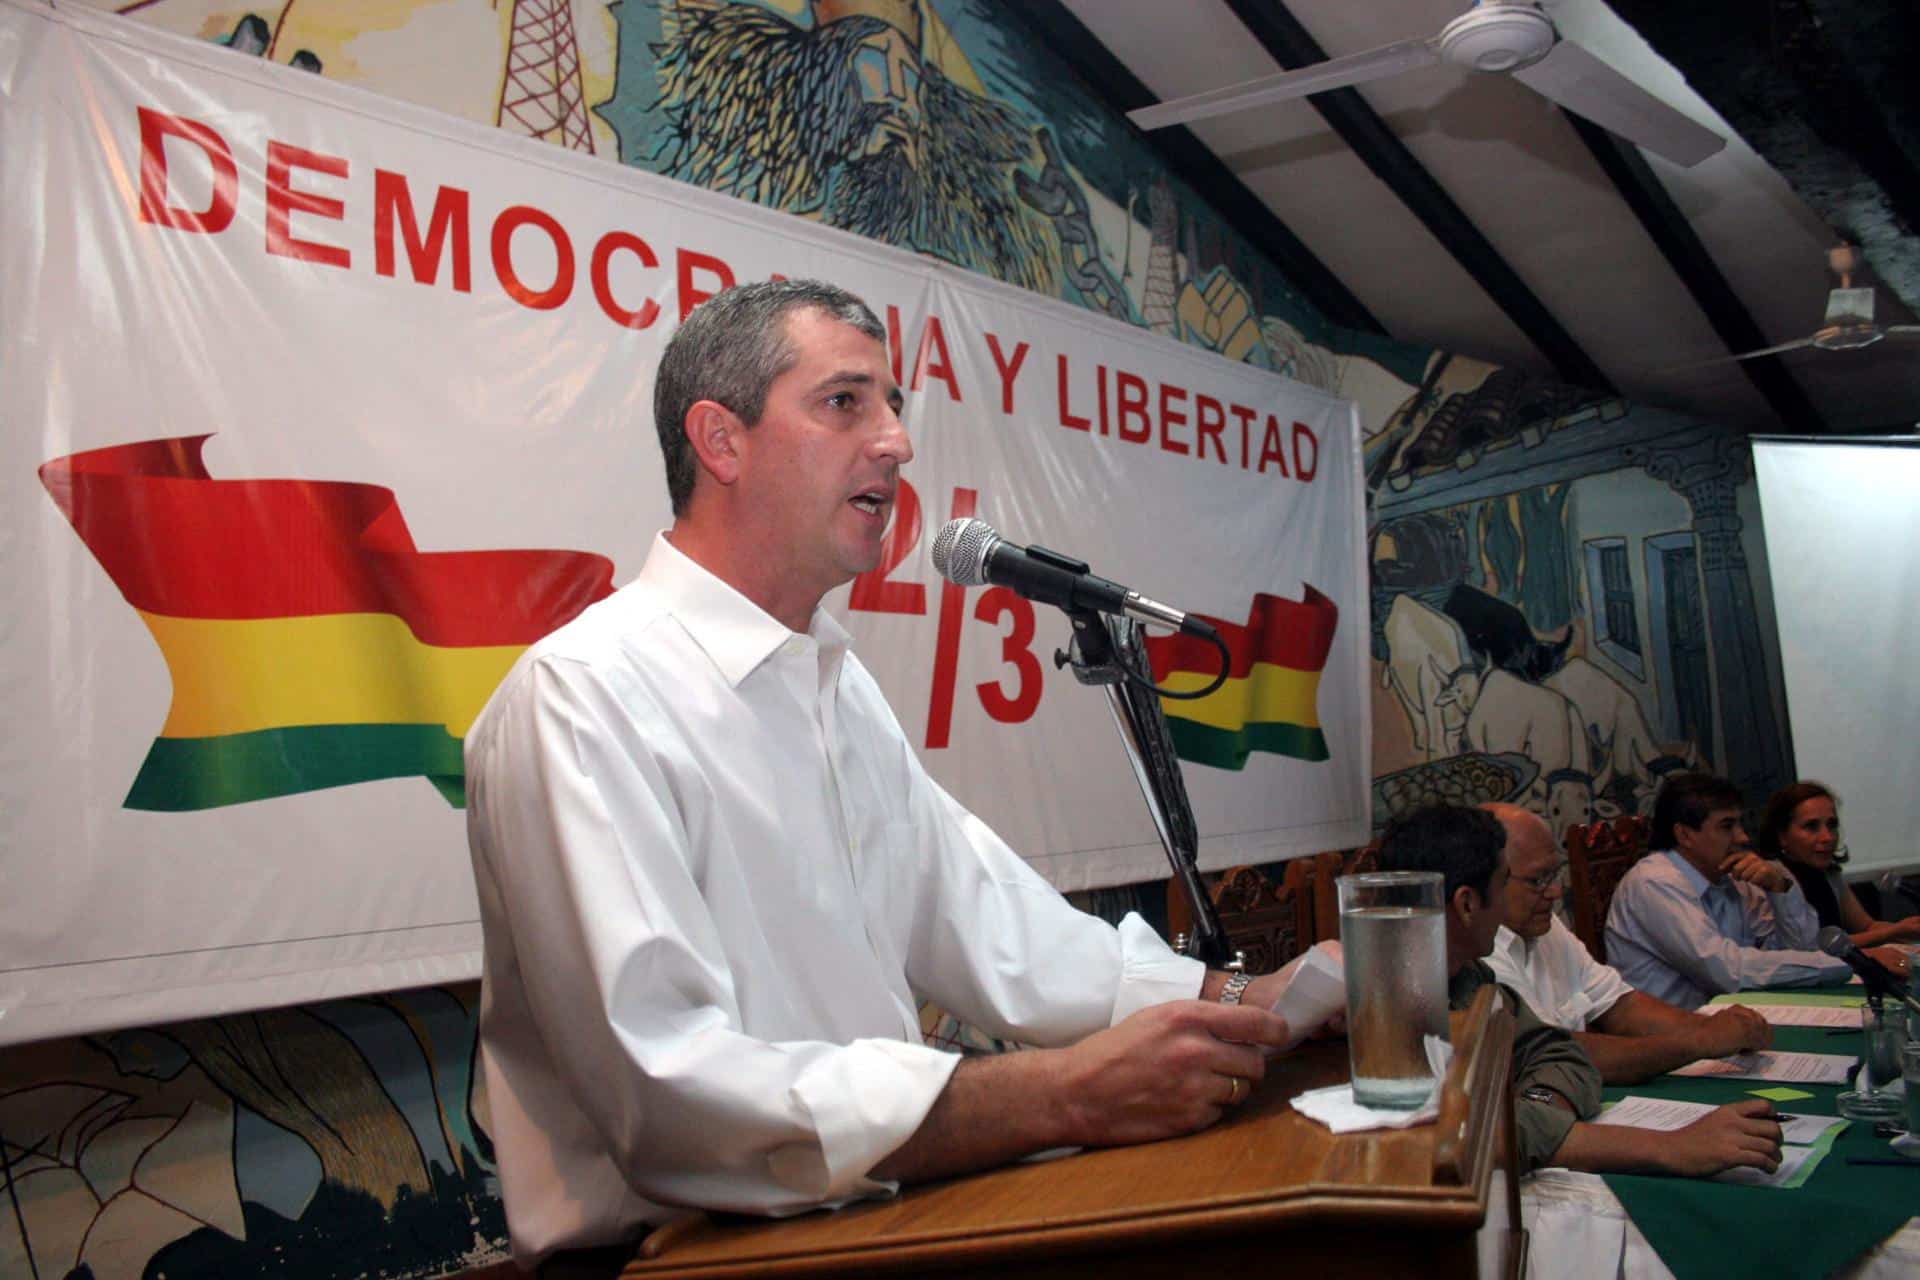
point(1808, 1015)
point(1836, 998)
point(1791, 1158)
point(1316, 991)
point(1773, 1064)
point(1669, 1114)
point(1653, 1113)
point(1805, 1131)
point(1780, 1093)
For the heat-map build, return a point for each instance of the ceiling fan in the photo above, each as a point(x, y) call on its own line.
point(1849, 324)
point(1512, 36)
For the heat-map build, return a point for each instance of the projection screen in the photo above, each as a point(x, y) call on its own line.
point(1842, 518)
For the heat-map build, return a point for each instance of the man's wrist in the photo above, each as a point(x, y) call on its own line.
point(1549, 1095)
point(1235, 987)
point(1702, 1036)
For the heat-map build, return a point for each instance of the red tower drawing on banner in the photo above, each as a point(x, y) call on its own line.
point(541, 94)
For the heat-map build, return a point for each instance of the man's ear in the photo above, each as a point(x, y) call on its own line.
point(1466, 903)
point(714, 432)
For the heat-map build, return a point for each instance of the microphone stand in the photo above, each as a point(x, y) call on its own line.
point(1102, 651)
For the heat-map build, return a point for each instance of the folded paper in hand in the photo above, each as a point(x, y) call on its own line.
point(1315, 991)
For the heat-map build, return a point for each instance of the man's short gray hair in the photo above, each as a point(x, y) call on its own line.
point(729, 350)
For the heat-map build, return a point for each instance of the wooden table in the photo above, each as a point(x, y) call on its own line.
point(1264, 1189)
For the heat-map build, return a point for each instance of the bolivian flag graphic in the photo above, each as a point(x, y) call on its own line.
point(309, 643)
point(1270, 699)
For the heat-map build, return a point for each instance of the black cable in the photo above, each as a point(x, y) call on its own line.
point(1226, 666)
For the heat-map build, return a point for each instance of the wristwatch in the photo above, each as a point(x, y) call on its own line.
point(1236, 984)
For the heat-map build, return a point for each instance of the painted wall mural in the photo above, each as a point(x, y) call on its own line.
point(340, 1139)
point(1562, 603)
point(931, 125)
point(1567, 596)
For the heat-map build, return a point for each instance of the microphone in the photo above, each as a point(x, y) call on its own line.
point(971, 553)
point(1879, 979)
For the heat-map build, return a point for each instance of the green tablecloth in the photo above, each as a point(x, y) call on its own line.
point(1706, 1229)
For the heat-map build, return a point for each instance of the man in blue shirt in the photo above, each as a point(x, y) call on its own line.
point(1704, 914)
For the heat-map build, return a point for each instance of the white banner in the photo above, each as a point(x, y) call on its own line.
point(420, 352)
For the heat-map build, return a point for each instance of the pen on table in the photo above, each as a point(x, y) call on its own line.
point(1887, 1160)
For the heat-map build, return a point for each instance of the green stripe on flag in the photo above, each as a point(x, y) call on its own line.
point(201, 773)
point(1229, 748)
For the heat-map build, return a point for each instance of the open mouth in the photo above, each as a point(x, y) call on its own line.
point(873, 502)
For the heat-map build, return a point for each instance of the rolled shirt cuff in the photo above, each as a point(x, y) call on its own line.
point(1151, 972)
point(864, 1102)
point(1540, 1129)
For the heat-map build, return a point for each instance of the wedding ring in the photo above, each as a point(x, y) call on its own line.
point(1234, 1095)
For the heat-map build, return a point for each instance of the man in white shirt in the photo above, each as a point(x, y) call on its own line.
point(1705, 914)
point(1630, 1035)
point(716, 883)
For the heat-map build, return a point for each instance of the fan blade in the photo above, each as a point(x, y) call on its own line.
point(1334, 73)
point(1588, 87)
point(1795, 345)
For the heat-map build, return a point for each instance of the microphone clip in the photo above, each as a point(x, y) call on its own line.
point(1064, 563)
point(1091, 651)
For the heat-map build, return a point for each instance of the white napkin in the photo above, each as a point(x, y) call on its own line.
point(1896, 1086)
point(1335, 1108)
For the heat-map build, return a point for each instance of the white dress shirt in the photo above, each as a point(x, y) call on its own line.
point(1557, 976)
point(715, 885)
point(1674, 935)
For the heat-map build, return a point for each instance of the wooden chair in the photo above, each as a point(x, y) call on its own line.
point(1597, 857)
point(1270, 923)
point(1327, 868)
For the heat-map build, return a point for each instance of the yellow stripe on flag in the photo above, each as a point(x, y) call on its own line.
point(242, 675)
point(1267, 693)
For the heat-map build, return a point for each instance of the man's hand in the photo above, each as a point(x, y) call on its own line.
point(1893, 958)
point(1738, 1135)
point(1165, 1071)
point(1265, 991)
point(1733, 1029)
point(1765, 872)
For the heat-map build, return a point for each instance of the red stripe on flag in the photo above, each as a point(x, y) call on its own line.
point(1297, 634)
point(180, 543)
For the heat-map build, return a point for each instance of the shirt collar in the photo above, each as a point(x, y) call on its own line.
point(1520, 950)
point(736, 634)
point(1691, 874)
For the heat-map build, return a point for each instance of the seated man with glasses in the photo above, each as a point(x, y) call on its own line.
point(1630, 1035)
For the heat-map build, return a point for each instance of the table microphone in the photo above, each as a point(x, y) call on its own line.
point(1880, 980)
point(971, 552)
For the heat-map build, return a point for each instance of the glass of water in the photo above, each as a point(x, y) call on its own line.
point(1394, 938)
point(1883, 1030)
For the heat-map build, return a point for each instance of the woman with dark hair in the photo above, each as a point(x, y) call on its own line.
point(1801, 827)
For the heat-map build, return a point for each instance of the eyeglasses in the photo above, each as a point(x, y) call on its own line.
point(1546, 879)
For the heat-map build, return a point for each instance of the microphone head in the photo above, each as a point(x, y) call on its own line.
point(1835, 942)
point(961, 548)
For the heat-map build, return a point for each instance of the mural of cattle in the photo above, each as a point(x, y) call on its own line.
point(1500, 631)
point(1626, 758)
point(1431, 670)
point(1511, 715)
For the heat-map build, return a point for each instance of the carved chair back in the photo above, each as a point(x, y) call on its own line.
point(1598, 855)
